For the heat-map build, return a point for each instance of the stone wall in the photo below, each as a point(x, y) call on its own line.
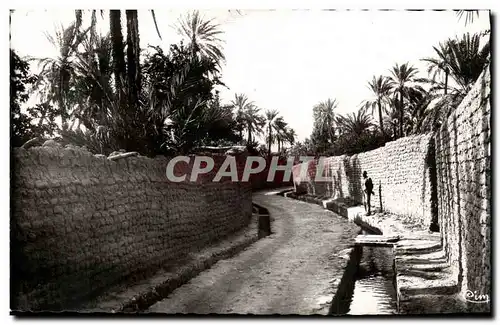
point(463, 161)
point(400, 171)
point(81, 222)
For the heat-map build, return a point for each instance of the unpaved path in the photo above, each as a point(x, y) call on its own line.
point(296, 270)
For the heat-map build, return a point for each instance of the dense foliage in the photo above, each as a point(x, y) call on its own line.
point(23, 127)
point(402, 103)
point(105, 92)
point(109, 94)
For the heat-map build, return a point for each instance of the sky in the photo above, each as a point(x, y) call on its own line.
point(283, 59)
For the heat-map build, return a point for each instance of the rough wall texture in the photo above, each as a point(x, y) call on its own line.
point(400, 171)
point(82, 222)
point(463, 161)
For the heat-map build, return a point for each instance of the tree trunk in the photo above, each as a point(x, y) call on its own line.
point(332, 137)
point(118, 55)
point(380, 118)
point(64, 119)
point(78, 19)
point(63, 91)
point(446, 72)
point(401, 113)
point(133, 55)
point(279, 145)
point(270, 141)
point(249, 134)
point(194, 46)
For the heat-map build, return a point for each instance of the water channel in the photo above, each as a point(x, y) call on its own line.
point(367, 287)
point(373, 291)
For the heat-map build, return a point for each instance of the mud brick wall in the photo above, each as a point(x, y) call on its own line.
point(463, 161)
point(81, 222)
point(400, 171)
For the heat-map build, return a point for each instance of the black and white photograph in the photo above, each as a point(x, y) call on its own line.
point(250, 162)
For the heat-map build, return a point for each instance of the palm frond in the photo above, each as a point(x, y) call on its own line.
point(468, 14)
point(156, 24)
point(202, 35)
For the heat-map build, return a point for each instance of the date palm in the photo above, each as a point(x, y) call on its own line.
point(281, 128)
point(467, 60)
point(440, 65)
point(254, 121)
point(202, 35)
point(287, 136)
point(56, 74)
point(324, 118)
point(355, 123)
point(381, 88)
point(468, 15)
point(403, 78)
point(133, 55)
point(133, 50)
point(418, 101)
point(290, 136)
point(391, 120)
point(92, 82)
point(462, 59)
point(271, 117)
point(119, 67)
point(241, 104)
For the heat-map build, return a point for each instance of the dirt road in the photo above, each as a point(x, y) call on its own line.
point(295, 270)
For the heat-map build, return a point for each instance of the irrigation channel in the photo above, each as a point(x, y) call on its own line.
point(372, 290)
point(368, 285)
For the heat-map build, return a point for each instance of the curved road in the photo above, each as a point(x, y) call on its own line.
point(293, 271)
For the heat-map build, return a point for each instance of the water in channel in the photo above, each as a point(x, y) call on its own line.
point(374, 292)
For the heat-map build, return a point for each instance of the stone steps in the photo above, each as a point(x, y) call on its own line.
point(422, 270)
point(376, 240)
point(413, 247)
point(431, 304)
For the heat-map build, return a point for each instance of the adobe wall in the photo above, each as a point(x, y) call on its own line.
point(81, 222)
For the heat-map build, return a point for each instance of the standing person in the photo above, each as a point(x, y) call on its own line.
point(368, 192)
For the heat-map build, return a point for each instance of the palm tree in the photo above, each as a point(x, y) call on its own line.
point(462, 59)
point(133, 51)
point(133, 54)
point(290, 136)
point(202, 35)
point(271, 116)
point(92, 82)
point(467, 59)
point(119, 67)
point(56, 73)
point(281, 128)
point(469, 15)
point(439, 65)
point(402, 78)
point(241, 104)
point(418, 101)
point(284, 135)
point(254, 121)
point(391, 119)
point(438, 110)
point(381, 87)
point(324, 118)
point(355, 123)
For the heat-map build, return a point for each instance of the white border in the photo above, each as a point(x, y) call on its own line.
point(147, 4)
